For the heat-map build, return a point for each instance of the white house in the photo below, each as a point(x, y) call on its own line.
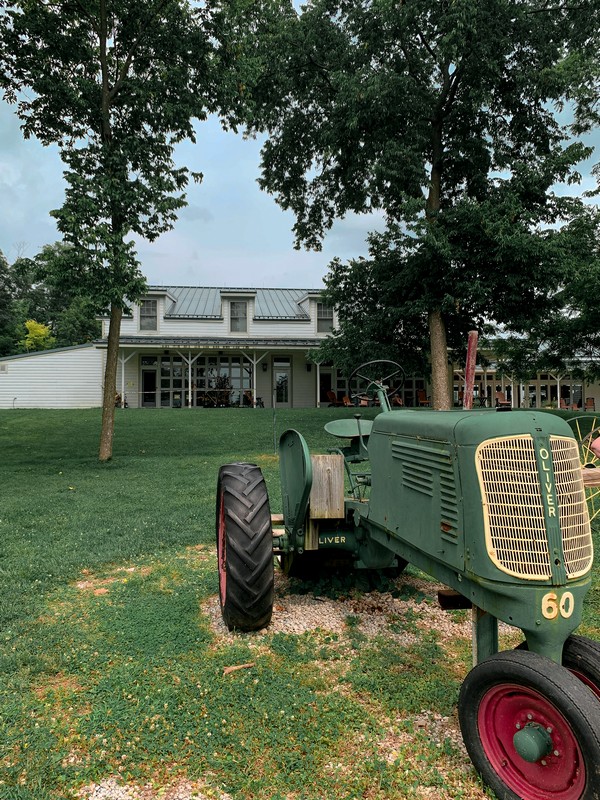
point(204, 346)
point(189, 346)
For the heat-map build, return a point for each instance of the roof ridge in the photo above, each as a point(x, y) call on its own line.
point(233, 288)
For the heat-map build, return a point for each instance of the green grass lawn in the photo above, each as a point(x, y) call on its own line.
point(108, 662)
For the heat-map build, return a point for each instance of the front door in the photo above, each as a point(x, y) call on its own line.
point(325, 385)
point(281, 386)
point(149, 388)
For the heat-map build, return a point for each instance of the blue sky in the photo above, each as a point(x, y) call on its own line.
point(231, 233)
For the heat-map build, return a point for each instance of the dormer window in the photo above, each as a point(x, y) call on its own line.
point(148, 315)
point(324, 318)
point(238, 310)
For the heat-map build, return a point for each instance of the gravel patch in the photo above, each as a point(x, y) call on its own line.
point(372, 612)
point(111, 789)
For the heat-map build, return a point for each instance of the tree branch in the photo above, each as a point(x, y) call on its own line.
point(87, 14)
point(426, 44)
point(132, 50)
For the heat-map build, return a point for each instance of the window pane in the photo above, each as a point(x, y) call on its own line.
point(281, 387)
point(148, 315)
point(238, 315)
point(324, 318)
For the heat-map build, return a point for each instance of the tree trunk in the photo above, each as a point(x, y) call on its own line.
point(437, 327)
point(440, 383)
point(110, 384)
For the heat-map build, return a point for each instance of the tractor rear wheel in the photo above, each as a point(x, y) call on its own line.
point(244, 547)
point(581, 656)
point(531, 728)
point(587, 433)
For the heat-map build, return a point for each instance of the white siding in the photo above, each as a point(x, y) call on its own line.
point(220, 328)
point(69, 378)
point(264, 382)
point(304, 393)
point(132, 371)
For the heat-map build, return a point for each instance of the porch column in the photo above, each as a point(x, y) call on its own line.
point(189, 361)
point(558, 379)
point(318, 392)
point(255, 362)
point(123, 361)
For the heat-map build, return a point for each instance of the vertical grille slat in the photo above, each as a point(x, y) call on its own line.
point(515, 524)
point(572, 504)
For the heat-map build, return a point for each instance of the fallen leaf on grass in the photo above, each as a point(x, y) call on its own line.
point(227, 670)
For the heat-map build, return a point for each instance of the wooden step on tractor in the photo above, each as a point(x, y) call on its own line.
point(489, 503)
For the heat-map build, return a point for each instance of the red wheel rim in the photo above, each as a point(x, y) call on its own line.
point(222, 552)
point(507, 708)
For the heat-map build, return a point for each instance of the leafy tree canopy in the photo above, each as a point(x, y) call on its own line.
point(7, 322)
point(443, 114)
point(38, 337)
point(116, 84)
point(36, 289)
point(568, 339)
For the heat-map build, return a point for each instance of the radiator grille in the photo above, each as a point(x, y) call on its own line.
point(572, 505)
point(515, 524)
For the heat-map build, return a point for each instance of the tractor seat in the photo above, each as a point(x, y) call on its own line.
point(348, 428)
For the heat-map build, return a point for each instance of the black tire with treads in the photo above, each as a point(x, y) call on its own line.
point(244, 547)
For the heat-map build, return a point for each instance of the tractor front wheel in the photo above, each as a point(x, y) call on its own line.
point(531, 728)
point(244, 547)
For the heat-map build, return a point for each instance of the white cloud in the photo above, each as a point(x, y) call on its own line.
point(231, 234)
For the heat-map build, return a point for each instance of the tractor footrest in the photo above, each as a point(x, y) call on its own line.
point(450, 600)
point(279, 536)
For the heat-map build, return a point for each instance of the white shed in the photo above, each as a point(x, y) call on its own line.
point(68, 377)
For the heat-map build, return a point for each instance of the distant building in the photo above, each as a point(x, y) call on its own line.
point(189, 346)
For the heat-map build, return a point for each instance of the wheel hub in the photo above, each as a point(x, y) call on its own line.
point(533, 742)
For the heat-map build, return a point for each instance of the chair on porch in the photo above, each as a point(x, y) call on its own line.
point(347, 402)
point(333, 401)
point(590, 404)
point(501, 400)
point(248, 400)
point(567, 406)
point(422, 398)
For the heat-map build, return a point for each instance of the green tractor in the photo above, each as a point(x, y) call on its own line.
point(491, 504)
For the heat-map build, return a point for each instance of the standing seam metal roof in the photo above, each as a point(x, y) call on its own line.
point(204, 302)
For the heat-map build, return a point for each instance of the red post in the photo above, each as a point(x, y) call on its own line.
point(470, 370)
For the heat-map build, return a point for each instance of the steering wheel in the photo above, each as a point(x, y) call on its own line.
point(368, 367)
